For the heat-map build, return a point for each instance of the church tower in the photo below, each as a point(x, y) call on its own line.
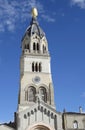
point(36, 107)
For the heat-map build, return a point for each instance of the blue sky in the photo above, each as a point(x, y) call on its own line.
point(63, 21)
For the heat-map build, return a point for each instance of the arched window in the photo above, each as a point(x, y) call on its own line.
point(43, 94)
point(31, 94)
point(27, 46)
point(37, 46)
point(36, 67)
point(40, 67)
point(34, 46)
point(45, 48)
point(75, 124)
point(33, 67)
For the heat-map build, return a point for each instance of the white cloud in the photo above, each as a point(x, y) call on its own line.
point(80, 3)
point(13, 11)
point(48, 18)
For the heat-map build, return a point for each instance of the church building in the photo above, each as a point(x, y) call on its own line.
point(36, 107)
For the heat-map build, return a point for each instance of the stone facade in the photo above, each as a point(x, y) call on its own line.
point(36, 107)
point(72, 120)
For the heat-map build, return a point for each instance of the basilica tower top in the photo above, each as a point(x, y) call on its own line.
point(34, 40)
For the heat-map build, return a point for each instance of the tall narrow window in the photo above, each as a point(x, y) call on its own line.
point(33, 67)
point(31, 94)
point(45, 48)
point(37, 46)
point(43, 94)
point(36, 67)
point(34, 46)
point(75, 124)
point(40, 68)
point(27, 46)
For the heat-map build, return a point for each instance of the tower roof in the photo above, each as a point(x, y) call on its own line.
point(34, 28)
point(34, 40)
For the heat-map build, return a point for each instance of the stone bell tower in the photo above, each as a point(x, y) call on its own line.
point(36, 108)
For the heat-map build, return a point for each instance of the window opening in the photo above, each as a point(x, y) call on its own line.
point(34, 46)
point(36, 67)
point(40, 68)
point(43, 94)
point(27, 46)
point(38, 46)
point(75, 125)
point(31, 93)
point(32, 67)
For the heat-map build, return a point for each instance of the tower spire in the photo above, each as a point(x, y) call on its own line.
point(34, 12)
